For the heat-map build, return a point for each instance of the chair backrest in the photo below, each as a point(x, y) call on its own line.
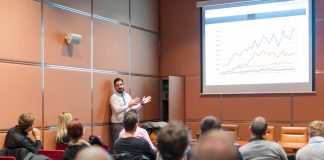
point(231, 128)
point(294, 135)
point(61, 146)
point(105, 146)
point(270, 133)
point(53, 154)
point(7, 158)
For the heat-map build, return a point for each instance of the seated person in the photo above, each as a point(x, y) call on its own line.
point(258, 147)
point(128, 143)
point(172, 142)
point(139, 133)
point(75, 132)
point(61, 134)
point(17, 137)
point(208, 123)
point(315, 147)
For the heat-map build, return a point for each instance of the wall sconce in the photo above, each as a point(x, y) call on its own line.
point(73, 38)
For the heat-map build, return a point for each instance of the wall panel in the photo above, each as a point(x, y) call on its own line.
point(49, 139)
point(56, 49)
point(194, 128)
point(180, 54)
point(144, 53)
point(82, 5)
point(116, 10)
point(196, 105)
point(179, 16)
point(319, 12)
point(272, 107)
point(20, 43)
point(110, 46)
point(146, 86)
point(67, 91)
point(21, 92)
point(103, 88)
point(2, 139)
point(309, 107)
point(145, 14)
point(319, 47)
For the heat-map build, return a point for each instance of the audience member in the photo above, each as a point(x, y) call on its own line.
point(314, 150)
point(215, 145)
point(172, 142)
point(17, 137)
point(258, 147)
point(139, 133)
point(61, 134)
point(93, 153)
point(208, 123)
point(75, 132)
point(130, 144)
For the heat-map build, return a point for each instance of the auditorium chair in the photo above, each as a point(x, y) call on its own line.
point(294, 135)
point(231, 128)
point(52, 154)
point(7, 158)
point(270, 134)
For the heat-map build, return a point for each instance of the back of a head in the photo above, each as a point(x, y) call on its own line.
point(215, 145)
point(172, 141)
point(259, 126)
point(75, 129)
point(209, 123)
point(26, 120)
point(93, 153)
point(316, 128)
point(63, 119)
point(131, 118)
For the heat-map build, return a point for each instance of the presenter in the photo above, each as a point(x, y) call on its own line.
point(121, 102)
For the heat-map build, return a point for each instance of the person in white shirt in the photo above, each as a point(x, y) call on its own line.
point(121, 102)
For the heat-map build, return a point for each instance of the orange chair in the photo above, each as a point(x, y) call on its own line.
point(270, 133)
point(52, 154)
point(7, 158)
point(231, 128)
point(294, 135)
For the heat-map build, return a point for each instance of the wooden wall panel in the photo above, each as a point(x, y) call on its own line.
point(176, 99)
point(49, 139)
point(103, 88)
point(117, 10)
point(194, 128)
point(56, 49)
point(319, 47)
point(21, 92)
point(103, 132)
point(17, 42)
point(146, 86)
point(83, 5)
point(110, 51)
point(319, 12)
point(198, 106)
point(144, 53)
point(180, 54)
point(179, 15)
point(308, 107)
point(272, 107)
point(67, 91)
point(145, 14)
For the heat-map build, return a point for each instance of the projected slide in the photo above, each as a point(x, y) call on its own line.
point(257, 43)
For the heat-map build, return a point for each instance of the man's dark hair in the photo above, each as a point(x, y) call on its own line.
point(208, 123)
point(130, 120)
point(118, 79)
point(259, 126)
point(75, 129)
point(172, 141)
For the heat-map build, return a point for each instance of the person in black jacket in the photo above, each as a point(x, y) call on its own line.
point(17, 137)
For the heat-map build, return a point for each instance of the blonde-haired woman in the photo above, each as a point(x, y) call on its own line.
point(62, 137)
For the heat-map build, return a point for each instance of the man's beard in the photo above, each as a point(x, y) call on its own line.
point(121, 90)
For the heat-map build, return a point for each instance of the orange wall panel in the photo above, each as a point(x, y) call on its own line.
point(110, 52)
point(144, 53)
point(197, 107)
point(117, 10)
point(21, 92)
point(83, 5)
point(194, 128)
point(319, 47)
point(272, 107)
point(145, 14)
point(179, 15)
point(67, 91)
point(319, 12)
point(180, 54)
point(102, 91)
point(308, 107)
point(17, 42)
point(49, 139)
point(146, 86)
point(56, 49)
